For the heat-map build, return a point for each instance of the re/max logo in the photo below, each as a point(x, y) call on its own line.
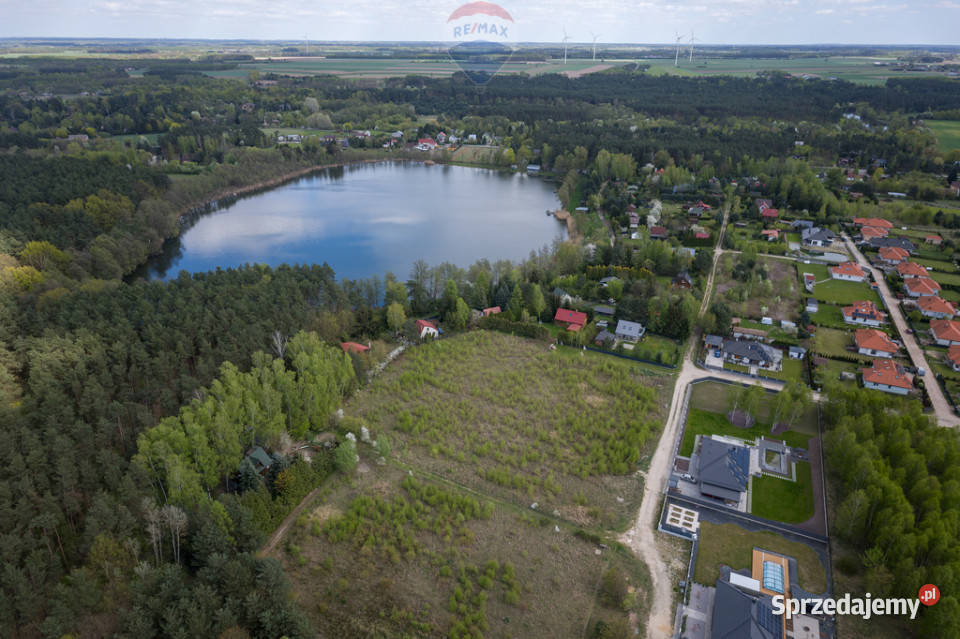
point(477, 28)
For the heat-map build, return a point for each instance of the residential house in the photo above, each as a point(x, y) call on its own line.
point(723, 469)
point(945, 332)
point(701, 235)
point(353, 347)
point(809, 279)
point(574, 320)
point(634, 220)
point(892, 255)
point(426, 144)
point(763, 204)
point(427, 329)
point(864, 313)
point(771, 234)
point(812, 306)
point(749, 333)
point(695, 212)
point(682, 280)
point(259, 459)
point(802, 224)
point(918, 286)
point(744, 615)
point(750, 353)
point(888, 376)
point(936, 240)
point(658, 233)
point(629, 331)
point(769, 214)
point(606, 280)
point(848, 271)
point(493, 310)
point(873, 221)
point(874, 343)
point(868, 233)
point(797, 352)
point(441, 138)
point(816, 236)
point(713, 341)
point(911, 269)
point(935, 307)
point(953, 358)
point(902, 242)
point(603, 337)
point(604, 311)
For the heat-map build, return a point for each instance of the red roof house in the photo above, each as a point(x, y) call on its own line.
point(575, 320)
point(868, 232)
point(888, 376)
point(871, 341)
point(945, 332)
point(918, 286)
point(872, 221)
point(702, 235)
point(953, 357)
point(770, 234)
point(933, 239)
point(769, 214)
point(893, 254)
point(493, 310)
point(850, 271)
point(426, 329)
point(911, 269)
point(658, 232)
point(935, 307)
point(864, 312)
point(353, 347)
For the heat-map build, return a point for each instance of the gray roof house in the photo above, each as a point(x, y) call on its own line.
point(749, 352)
point(797, 352)
point(899, 242)
point(630, 331)
point(739, 615)
point(602, 309)
point(802, 224)
point(812, 306)
point(816, 236)
point(723, 469)
point(714, 341)
point(604, 336)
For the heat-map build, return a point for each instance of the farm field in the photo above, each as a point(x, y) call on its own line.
point(374, 68)
point(731, 545)
point(947, 132)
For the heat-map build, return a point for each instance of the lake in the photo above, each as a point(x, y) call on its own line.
point(368, 219)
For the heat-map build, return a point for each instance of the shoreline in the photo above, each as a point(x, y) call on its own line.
point(564, 215)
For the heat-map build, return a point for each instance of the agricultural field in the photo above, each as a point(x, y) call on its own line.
point(861, 70)
point(947, 132)
point(440, 536)
point(378, 68)
point(731, 545)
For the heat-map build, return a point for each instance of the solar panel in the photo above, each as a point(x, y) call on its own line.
point(773, 576)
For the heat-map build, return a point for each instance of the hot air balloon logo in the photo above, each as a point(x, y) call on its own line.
point(480, 36)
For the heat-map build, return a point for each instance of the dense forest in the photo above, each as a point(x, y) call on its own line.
point(126, 406)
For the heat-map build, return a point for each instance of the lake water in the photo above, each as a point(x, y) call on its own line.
point(372, 218)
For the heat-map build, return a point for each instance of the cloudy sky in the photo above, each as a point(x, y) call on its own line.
point(633, 21)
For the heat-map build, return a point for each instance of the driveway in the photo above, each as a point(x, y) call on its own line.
point(944, 412)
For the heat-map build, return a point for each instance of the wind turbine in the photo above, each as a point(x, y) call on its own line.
point(691, 45)
point(676, 58)
point(565, 38)
point(595, 36)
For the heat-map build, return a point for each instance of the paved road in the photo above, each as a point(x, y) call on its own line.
point(944, 412)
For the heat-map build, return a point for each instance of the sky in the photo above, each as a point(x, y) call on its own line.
point(930, 22)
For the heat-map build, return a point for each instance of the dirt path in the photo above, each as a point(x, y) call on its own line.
point(287, 521)
point(944, 412)
point(641, 538)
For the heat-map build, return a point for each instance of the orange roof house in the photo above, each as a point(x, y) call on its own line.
point(863, 312)
point(918, 286)
point(868, 232)
point(888, 376)
point(872, 221)
point(945, 332)
point(353, 347)
point(893, 254)
point(871, 341)
point(847, 271)
point(935, 306)
point(911, 269)
point(493, 310)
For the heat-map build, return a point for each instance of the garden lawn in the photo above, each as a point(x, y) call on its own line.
point(782, 500)
point(829, 315)
point(701, 422)
point(936, 265)
point(731, 545)
point(952, 279)
point(842, 292)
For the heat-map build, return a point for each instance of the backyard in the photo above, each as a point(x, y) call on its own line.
point(784, 500)
point(731, 545)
